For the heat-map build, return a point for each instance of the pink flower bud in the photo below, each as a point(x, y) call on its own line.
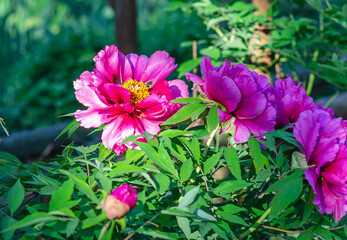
point(126, 194)
point(121, 201)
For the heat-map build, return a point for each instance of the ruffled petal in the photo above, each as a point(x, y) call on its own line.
point(263, 123)
point(194, 78)
point(306, 132)
point(93, 118)
point(114, 65)
point(205, 65)
point(222, 89)
point(160, 65)
point(153, 107)
point(253, 102)
point(162, 89)
point(179, 89)
point(139, 64)
point(242, 133)
point(114, 93)
point(86, 93)
point(119, 129)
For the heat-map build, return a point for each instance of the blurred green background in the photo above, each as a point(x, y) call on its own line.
point(47, 44)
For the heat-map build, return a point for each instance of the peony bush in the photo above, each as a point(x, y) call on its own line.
point(243, 160)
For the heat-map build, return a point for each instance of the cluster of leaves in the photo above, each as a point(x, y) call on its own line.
point(299, 35)
point(190, 185)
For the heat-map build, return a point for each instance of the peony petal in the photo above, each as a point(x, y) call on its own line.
point(154, 106)
point(162, 89)
point(139, 64)
point(86, 93)
point(119, 129)
point(205, 65)
point(194, 78)
point(113, 64)
point(222, 89)
point(253, 102)
point(114, 93)
point(179, 89)
point(93, 118)
point(263, 123)
point(160, 65)
point(242, 133)
point(306, 132)
point(151, 125)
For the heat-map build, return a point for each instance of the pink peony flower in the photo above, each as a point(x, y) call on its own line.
point(290, 99)
point(323, 139)
point(121, 201)
point(242, 92)
point(129, 94)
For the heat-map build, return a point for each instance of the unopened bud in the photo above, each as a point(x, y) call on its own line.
point(121, 201)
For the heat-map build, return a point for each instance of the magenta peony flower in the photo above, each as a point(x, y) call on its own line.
point(242, 92)
point(121, 201)
point(129, 94)
point(323, 139)
point(289, 100)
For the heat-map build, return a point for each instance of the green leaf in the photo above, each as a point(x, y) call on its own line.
point(162, 159)
point(109, 233)
point(184, 113)
point(231, 186)
point(177, 212)
point(104, 152)
point(286, 196)
point(228, 210)
point(211, 162)
point(158, 234)
point(84, 188)
point(195, 148)
point(67, 128)
point(61, 196)
point(163, 181)
point(103, 181)
point(184, 224)
point(186, 170)
point(5, 223)
point(204, 216)
point(286, 136)
point(38, 217)
point(89, 222)
point(187, 100)
point(212, 119)
point(124, 169)
point(271, 142)
point(256, 151)
point(188, 198)
point(285, 181)
point(66, 212)
point(233, 163)
point(12, 158)
point(171, 133)
point(235, 219)
point(71, 227)
point(305, 236)
point(15, 196)
point(309, 206)
point(212, 52)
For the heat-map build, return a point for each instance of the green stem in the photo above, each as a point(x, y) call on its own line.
point(312, 76)
point(256, 224)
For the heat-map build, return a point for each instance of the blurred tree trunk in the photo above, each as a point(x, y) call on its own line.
point(126, 32)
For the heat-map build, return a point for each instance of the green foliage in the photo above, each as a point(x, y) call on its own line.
point(180, 194)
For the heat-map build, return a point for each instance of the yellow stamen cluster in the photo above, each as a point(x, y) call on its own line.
point(138, 91)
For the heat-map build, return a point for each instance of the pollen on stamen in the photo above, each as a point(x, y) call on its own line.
point(138, 91)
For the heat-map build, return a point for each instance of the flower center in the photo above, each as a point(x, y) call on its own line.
point(138, 91)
